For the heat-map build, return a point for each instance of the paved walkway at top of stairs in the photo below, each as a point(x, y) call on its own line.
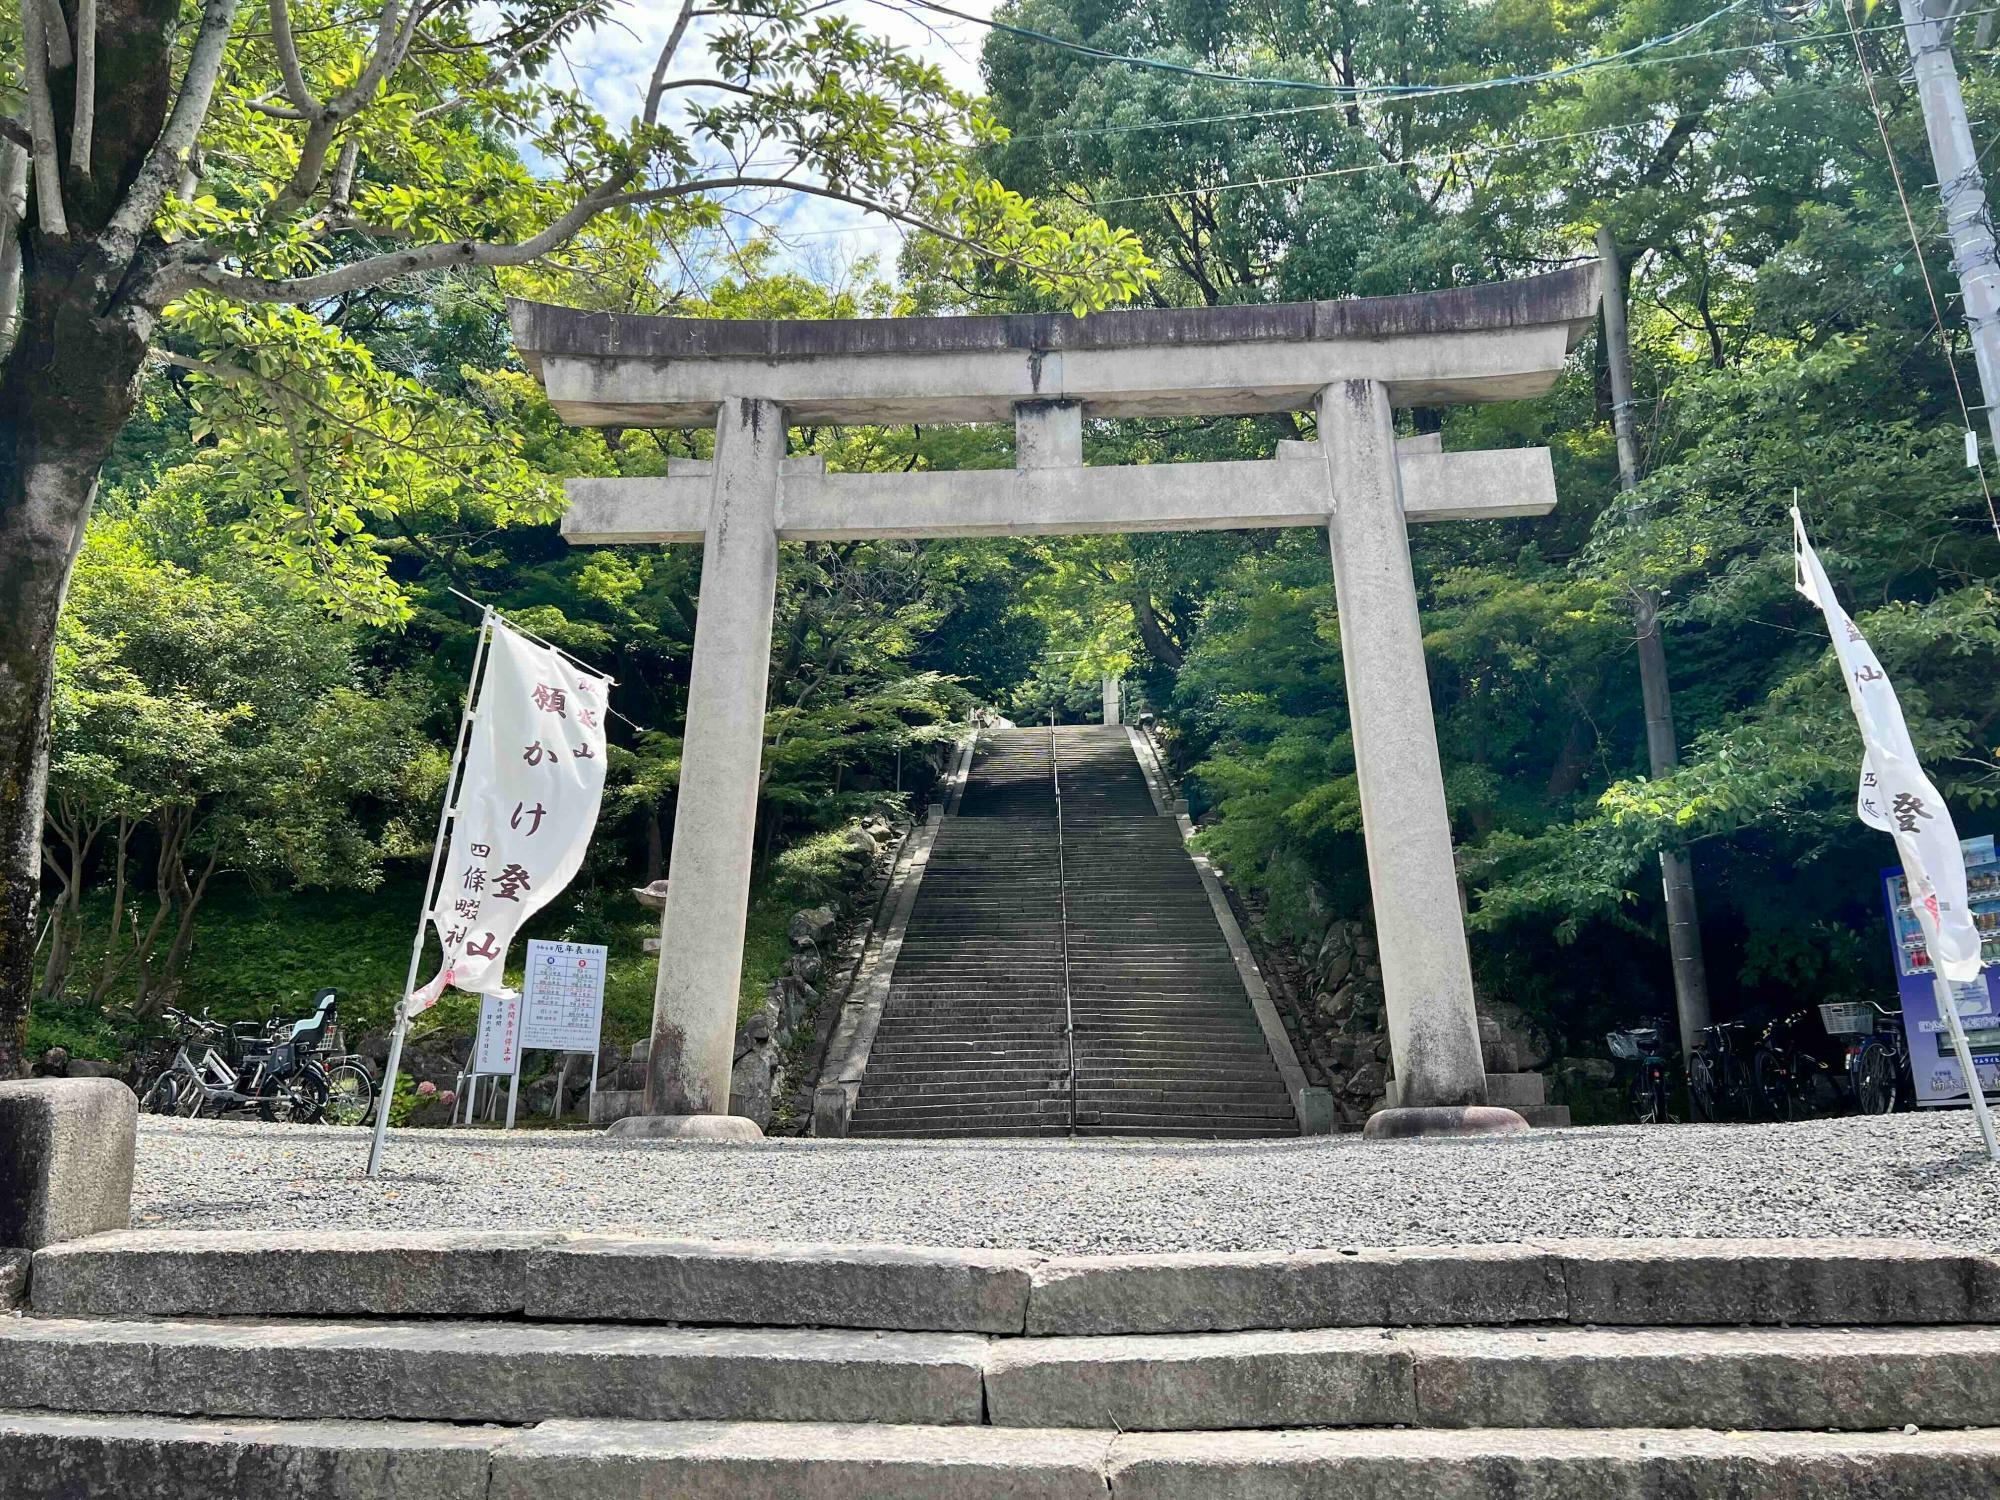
point(971, 1041)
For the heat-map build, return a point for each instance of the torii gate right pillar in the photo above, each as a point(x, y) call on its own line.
point(1426, 973)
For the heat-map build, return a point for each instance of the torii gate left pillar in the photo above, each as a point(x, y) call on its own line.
point(1351, 363)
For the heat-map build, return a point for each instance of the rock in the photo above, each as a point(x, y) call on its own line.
point(807, 966)
point(66, 1150)
point(754, 1086)
point(1364, 945)
point(760, 1028)
point(863, 843)
point(642, 1049)
point(54, 1063)
point(791, 999)
point(90, 1067)
point(1335, 969)
point(1365, 1081)
point(1510, 1039)
point(653, 897)
point(1328, 1006)
point(807, 928)
point(1586, 1072)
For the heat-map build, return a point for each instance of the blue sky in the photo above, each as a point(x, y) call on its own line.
point(614, 63)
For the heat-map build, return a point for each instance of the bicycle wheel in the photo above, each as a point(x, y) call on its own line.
point(173, 1093)
point(1739, 1091)
point(1875, 1083)
point(350, 1094)
point(1772, 1081)
point(1702, 1089)
point(300, 1099)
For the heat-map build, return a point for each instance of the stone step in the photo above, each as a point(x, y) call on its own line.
point(47, 1456)
point(1767, 1379)
point(491, 1372)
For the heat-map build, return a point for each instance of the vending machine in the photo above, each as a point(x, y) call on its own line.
point(1933, 1061)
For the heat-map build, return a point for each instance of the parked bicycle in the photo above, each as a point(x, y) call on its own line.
point(1877, 1053)
point(216, 1069)
point(350, 1081)
point(1720, 1086)
point(1646, 1095)
point(1789, 1075)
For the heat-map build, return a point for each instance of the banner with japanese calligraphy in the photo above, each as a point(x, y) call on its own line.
point(1896, 796)
point(534, 775)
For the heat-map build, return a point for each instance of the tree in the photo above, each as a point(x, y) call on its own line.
point(252, 167)
point(209, 720)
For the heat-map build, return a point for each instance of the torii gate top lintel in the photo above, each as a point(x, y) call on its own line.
point(1497, 341)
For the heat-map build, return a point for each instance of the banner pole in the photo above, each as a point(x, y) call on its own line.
point(1948, 1008)
point(445, 815)
point(514, 1082)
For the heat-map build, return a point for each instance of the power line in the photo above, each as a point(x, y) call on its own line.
point(1087, 131)
point(1344, 90)
point(1499, 148)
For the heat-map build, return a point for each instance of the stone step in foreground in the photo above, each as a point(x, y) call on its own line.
point(512, 1372)
point(582, 1277)
point(54, 1457)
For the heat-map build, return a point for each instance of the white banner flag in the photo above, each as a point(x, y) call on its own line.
point(1895, 795)
point(534, 775)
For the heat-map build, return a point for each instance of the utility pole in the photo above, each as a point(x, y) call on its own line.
point(1662, 752)
point(1927, 31)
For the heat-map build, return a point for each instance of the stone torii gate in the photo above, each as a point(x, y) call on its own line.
point(1351, 362)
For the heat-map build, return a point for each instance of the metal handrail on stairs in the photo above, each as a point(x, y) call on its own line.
point(1062, 901)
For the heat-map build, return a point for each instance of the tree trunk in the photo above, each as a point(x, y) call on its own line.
point(68, 383)
point(66, 390)
point(1662, 752)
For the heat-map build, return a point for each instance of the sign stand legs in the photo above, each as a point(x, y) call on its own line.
point(513, 1087)
point(430, 890)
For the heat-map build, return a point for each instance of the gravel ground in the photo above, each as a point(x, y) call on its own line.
point(1905, 1175)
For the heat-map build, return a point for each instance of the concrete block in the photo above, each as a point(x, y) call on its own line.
point(1315, 1378)
point(769, 1461)
point(1176, 1293)
point(1317, 1114)
point(489, 1372)
point(1850, 1281)
point(1537, 1465)
point(833, 1109)
point(66, 1147)
point(607, 1106)
point(13, 1278)
point(288, 1273)
point(1516, 1091)
point(784, 1285)
point(46, 1456)
point(1756, 1379)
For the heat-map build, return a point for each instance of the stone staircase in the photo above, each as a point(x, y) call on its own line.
point(971, 1041)
point(502, 1366)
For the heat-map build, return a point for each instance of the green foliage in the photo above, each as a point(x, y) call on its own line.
point(1780, 334)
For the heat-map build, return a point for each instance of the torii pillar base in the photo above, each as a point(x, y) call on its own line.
point(1442, 1120)
point(685, 1128)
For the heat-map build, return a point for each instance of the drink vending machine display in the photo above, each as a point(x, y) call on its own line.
point(1933, 1063)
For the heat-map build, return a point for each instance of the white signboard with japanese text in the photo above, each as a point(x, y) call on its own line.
point(563, 996)
point(534, 775)
point(499, 1046)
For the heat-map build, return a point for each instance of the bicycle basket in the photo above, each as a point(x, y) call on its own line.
point(1624, 1045)
point(1847, 1017)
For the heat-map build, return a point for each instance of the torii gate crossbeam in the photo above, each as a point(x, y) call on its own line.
point(1350, 362)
